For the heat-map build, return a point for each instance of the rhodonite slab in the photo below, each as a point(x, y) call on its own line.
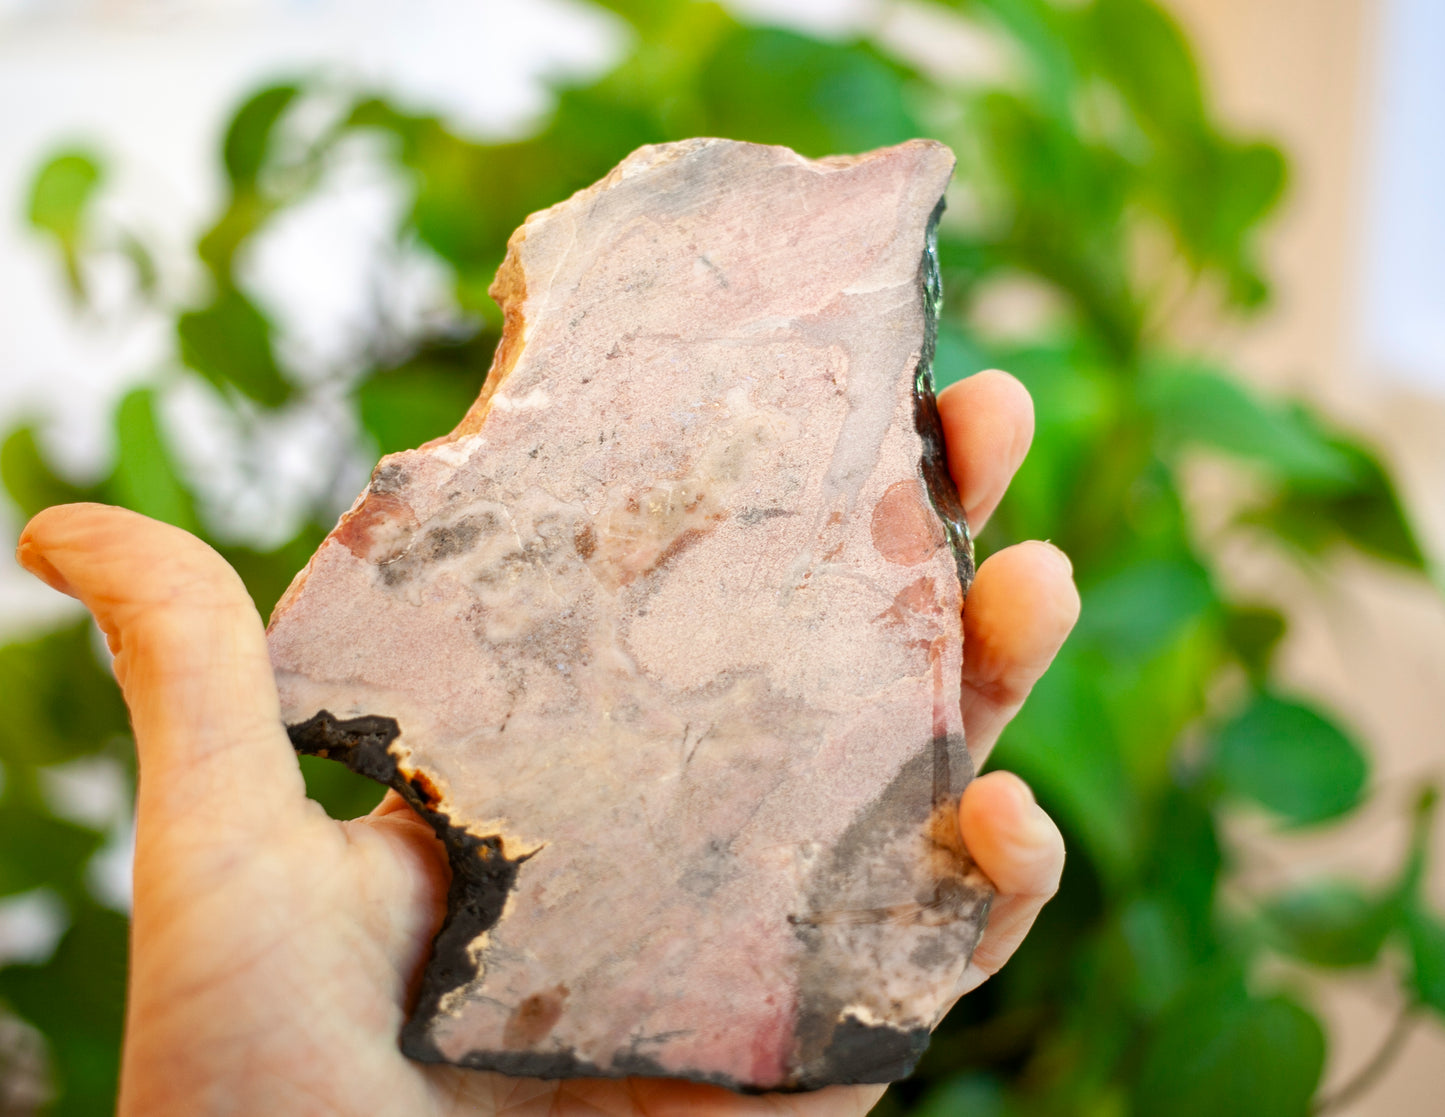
point(665, 638)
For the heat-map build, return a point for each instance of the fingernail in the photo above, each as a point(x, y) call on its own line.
point(1035, 830)
point(29, 556)
point(1028, 830)
point(1040, 827)
point(1060, 558)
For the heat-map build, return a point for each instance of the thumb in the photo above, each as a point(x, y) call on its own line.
point(191, 659)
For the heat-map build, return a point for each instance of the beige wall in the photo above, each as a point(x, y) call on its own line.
point(1370, 643)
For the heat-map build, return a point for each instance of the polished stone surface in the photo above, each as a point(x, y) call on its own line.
point(665, 638)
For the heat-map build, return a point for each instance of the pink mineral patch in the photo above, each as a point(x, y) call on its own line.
point(905, 528)
point(665, 639)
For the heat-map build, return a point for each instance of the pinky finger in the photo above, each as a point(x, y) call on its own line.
point(1019, 848)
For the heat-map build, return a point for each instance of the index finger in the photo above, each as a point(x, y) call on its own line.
point(988, 424)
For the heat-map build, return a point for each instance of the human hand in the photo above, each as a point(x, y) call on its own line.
point(273, 949)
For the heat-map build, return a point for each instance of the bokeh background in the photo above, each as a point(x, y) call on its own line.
point(244, 247)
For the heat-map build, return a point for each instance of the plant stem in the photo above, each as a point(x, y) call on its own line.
point(1372, 1071)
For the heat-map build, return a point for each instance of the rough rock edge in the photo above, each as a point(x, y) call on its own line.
point(482, 875)
point(933, 464)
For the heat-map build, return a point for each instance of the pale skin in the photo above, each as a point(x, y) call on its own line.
point(273, 949)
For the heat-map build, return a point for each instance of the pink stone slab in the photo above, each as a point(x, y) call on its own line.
point(665, 637)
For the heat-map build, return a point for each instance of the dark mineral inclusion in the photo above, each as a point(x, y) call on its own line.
point(665, 638)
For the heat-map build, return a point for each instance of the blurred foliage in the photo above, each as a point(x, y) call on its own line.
point(1093, 171)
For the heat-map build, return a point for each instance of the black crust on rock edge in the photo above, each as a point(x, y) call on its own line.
point(933, 464)
point(482, 874)
point(360, 743)
point(869, 1053)
point(565, 1064)
point(858, 1053)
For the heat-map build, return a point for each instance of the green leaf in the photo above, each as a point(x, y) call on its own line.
point(60, 702)
point(1218, 1051)
point(54, 852)
point(249, 136)
point(1041, 29)
point(268, 573)
point(1078, 774)
point(404, 407)
point(1290, 758)
point(1424, 931)
point(1251, 184)
point(242, 219)
point(147, 276)
point(145, 478)
point(1214, 192)
point(1211, 191)
point(60, 197)
point(61, 192)
point(956, 357)
point(1076, 407)
point(1254, 184)
point(1147, 58)
point(642, 14)
point(465, 204)
point(1365, 513)
point(1183, 868)
point(1195, 406)
point(841, 97)
point(1064, 214)
point(339, 790)
point(1254, 632)
point(1141, 609)
point(973, 1095)
point(1410, 887)
point(229, 343)
point(1427, 953)
point(1331, 923)
point(1157, 938)
point(77, 1000)
point(28, 478)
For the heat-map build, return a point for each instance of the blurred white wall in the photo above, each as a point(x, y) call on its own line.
point(1402, 277)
